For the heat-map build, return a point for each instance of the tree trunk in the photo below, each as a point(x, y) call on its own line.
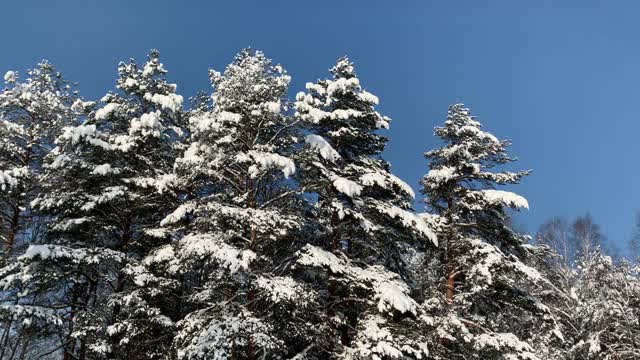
point(350, 314)
point(90, 302)
point(124, 244)
point(23, 351)
point(125, 239)
point(5, 337)
point(14, 349)
point(331, 287)
point(450, 267)
point(5, 334)
point(70, 346)
point(13, 229)
point(15, 219)
point(450, 287)
point(232, 356)
point(450, 283)
point(251, 351)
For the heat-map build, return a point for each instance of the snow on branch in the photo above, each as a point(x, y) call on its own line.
point(346, 186)
point(409, 220)
point(264, 161)
point(171, 102)
point(178, 214)
point(390, 292)
point(490, 263)
point(505, 197)
point(319, 144)
point(377, 341)
point(206, 246)
point(28, 313)
point(505, 343)
point(93, 256)
point(284, 289)
point(386, 180)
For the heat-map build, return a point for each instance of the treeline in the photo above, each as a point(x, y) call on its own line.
point(243, 224)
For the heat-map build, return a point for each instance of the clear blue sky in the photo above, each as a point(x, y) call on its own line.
point(559, 78)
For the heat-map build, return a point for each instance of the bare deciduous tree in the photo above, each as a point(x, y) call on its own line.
point(556, 234)
point(634, 242)
point(586, 236)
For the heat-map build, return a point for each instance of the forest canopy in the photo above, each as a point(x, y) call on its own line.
point(245, 224)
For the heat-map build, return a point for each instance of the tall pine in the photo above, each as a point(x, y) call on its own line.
point(235, 229)
point(33, 112)
point(105, 189)
point(488, 288)
point(361, 221)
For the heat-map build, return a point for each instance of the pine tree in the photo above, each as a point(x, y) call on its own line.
point(32, 113)
point(150, 143)
point(105, 189)
point(236, 226)
point(361, 222)
point(488, 289)
point(244, 227)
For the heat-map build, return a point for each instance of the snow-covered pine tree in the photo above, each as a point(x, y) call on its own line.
point(235, 230)
point(32, 113)
point(153, 138)
point(491, 310)
point(362, 220)
point(105, 189)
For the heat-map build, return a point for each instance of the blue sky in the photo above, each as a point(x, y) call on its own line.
point(560, 79)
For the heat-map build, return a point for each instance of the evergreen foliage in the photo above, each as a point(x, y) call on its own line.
point(248, 225)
